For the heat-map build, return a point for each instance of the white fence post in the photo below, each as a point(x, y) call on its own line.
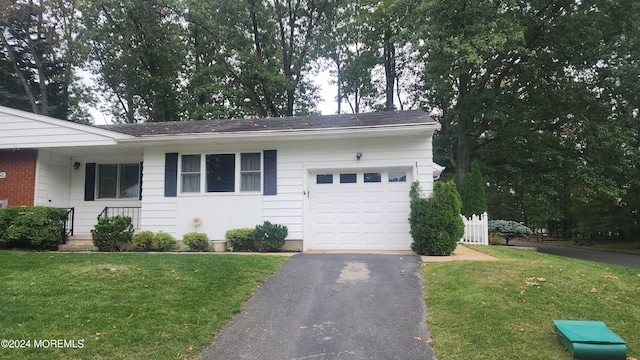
point(476, 230)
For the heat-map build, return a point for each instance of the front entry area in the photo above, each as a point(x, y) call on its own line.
point(359, 209)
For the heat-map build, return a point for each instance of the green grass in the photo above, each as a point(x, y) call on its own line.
point(160, 306)
point(504, 309)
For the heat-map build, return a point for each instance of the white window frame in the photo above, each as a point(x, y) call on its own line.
point(237, 174)
point(118, 182)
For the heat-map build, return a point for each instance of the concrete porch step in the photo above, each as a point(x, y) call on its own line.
point(78, 243)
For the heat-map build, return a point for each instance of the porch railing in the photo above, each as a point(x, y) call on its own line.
point(131, 211)
point(67, 227)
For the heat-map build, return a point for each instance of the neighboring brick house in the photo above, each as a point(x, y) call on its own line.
point(17, 177)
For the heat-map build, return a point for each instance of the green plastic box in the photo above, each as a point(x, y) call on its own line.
point(590, 340)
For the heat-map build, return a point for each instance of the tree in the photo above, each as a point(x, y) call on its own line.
point(39, 59)
point(139, 56)
point(436, 225)
point(474, 200)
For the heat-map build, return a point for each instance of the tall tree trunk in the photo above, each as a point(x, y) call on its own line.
point(389, 68)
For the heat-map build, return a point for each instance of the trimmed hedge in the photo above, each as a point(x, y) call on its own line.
point(111, 233)
point(148, 241)
point(241, 239)
point(196, 241)
point(143, 240)
point(39, 227)
point(270, 237)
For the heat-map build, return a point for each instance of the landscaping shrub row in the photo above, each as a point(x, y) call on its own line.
point(114, 233)
point(32, 227)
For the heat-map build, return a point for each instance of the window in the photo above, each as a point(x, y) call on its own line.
point(190, 171)
point(118, 181)
point(250, 172)
point(324, 179)
point(372, 177)
point(347, 178)
point(221, 170)
point(397, 176)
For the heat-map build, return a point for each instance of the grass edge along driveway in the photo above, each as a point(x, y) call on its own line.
point(504, 309)
point(122, 305)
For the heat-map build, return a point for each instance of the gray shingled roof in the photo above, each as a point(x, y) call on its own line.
point(318, 122)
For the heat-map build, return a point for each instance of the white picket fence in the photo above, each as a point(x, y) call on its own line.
point(476, 230)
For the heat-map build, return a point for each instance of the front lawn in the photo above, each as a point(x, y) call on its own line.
point(122, 305)
point(504, 309)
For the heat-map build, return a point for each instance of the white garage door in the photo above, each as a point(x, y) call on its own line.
point(365, 210)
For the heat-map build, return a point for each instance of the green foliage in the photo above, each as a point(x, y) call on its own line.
point(474, 200)
point(143, 240)
point(508, 229)
point(39, 227)
point(196, 241)
point(111, 233)
point(271, 237)
point(436, 225)
point(241, 239)
point(163, 242)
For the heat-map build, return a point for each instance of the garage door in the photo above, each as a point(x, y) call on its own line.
point(365, 210)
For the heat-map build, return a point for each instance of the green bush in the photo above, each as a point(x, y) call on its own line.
point(241, 239)
point(163, 242)
point(436, 225)
point(270, 237)
point(39, 227)
point(508, 229)
point(196, 241)
point(143, 240)
point(111, 233)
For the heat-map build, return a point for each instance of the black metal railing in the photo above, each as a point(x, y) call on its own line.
point(131, 211)
point(67, 226)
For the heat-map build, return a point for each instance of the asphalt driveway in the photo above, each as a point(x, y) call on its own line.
point(333, 306)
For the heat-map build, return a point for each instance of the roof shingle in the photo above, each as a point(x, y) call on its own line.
point(300, 123)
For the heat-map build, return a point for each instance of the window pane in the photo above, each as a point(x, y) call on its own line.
point(190, 183)
point(250, 182)
point(107, 181)
point(190, 178)
point(347, 178)
point(250, 162)
point(397, 176)
point(221, 172)
point(190, 163)
point(129, 180)
point(372, 177)
point(324, 179)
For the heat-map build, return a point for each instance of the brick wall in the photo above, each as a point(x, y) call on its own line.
point(19, 183)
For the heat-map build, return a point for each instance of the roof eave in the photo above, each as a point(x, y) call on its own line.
point(339, 132)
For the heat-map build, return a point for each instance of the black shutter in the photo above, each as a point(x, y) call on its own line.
point(140, 181)
point(170, 174)
point(90, 182)
point(270, 172)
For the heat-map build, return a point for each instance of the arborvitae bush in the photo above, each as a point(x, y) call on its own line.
point(111, 233)
point(436, 225)
point(196, 241)
point(474, 200)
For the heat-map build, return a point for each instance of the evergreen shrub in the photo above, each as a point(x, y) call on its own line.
point(39, 227)
point(436, 225)
point(163, 242)
point(111, 233)
point(270, 237)
point(508, 229)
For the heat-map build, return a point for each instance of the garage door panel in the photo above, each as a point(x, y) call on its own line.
point(371, 216)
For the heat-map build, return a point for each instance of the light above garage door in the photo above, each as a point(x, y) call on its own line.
point(359, 210)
